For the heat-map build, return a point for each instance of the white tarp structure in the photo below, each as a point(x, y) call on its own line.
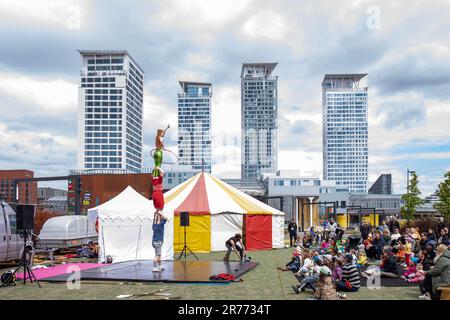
point(125, 228)
point(67, 228)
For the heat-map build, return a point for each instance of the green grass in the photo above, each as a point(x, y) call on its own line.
point(263, 282)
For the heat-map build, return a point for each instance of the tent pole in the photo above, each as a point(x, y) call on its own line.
point(103, 241)
point(139, 240)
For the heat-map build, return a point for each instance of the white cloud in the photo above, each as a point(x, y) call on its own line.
point(50, 94)
point(309, 163)
point(200, 13)
point(265, 25)
point(61, 13)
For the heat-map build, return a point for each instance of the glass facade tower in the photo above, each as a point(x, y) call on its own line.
point(110, 110)
point(194, 125)
point(345, 131)
point(259, 120)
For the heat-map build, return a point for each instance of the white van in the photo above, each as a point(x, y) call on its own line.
point(11, 241)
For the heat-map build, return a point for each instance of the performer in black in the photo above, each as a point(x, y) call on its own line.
point(235, 244)
point(292, 228)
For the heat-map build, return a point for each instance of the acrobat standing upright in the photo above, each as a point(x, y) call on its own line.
point(159, 146)
point(158, 219)
point(158, 201)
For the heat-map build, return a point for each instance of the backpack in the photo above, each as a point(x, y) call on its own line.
point(223, 276)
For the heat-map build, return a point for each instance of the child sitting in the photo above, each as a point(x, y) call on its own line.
point(325, 289)
point(418, 276)
point(362, 259)
point(295, 263)
point(323, 247)
point(354, 257)
point(336, 273)
point(400, 253)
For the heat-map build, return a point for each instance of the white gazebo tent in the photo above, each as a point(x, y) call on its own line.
point(125, 228)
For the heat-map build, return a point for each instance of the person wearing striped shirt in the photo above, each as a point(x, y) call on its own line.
point(350, 281)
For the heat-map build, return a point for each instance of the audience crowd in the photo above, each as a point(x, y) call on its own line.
point(331, 267)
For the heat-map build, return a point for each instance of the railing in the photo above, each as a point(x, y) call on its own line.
point(102, 73)
point(108, 171)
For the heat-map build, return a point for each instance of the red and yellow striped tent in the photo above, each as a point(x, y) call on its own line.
point(217, 211)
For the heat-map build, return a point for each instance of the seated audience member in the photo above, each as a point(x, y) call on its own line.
point(408, 252)
point(387, 269)
point(386, 236)
point(417, 276)
point(307, 264)
point(443, 238)
point(375, 248)
point(350, 281)
point(432, 236)
point(400, 253)
point(423, 240)
point(368, 241)
point(437, 276)
point(430, 249)
point(336, 272)
point(425, 260)
point(395, 237)
point(362, 259)
point(325, 289)
point(307, 241)
point(295, 263)
point(88, 251)
point(416, 248)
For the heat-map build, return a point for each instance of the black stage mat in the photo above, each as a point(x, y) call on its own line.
point(390, 282)
point(175, 271)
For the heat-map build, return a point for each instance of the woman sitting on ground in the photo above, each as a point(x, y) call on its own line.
point(443, 239)
point(350, 281)
point(438, 276)
point(388, 267)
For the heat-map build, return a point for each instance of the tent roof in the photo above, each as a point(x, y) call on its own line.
point(127, 204)
point(204, 194)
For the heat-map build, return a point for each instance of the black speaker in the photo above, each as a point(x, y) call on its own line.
point(184, 219)
point(25, 217)
point(343, 204)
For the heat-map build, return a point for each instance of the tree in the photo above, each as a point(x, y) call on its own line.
point(412, 198)
point(443, 204)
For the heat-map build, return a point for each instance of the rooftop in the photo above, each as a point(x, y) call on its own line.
point(270, 66)
point(353, 76)
point(110, 52)
point(183, 84)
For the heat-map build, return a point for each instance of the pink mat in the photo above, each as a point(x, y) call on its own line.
point(58, 269)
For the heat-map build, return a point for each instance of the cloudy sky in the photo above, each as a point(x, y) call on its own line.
point(404, 46)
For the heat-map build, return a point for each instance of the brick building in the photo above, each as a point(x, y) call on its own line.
point(27, 190)
point(100, 188)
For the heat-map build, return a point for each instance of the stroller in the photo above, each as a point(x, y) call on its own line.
point(352, 243)
point(339, 233)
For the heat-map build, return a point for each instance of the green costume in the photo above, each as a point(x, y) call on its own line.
point(157, 157)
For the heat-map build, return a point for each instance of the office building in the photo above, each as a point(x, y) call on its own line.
point(345, 131)
point(259, 120)
point(194, 125)
point(383, 185)
point(110, 111)
point(307, 200)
